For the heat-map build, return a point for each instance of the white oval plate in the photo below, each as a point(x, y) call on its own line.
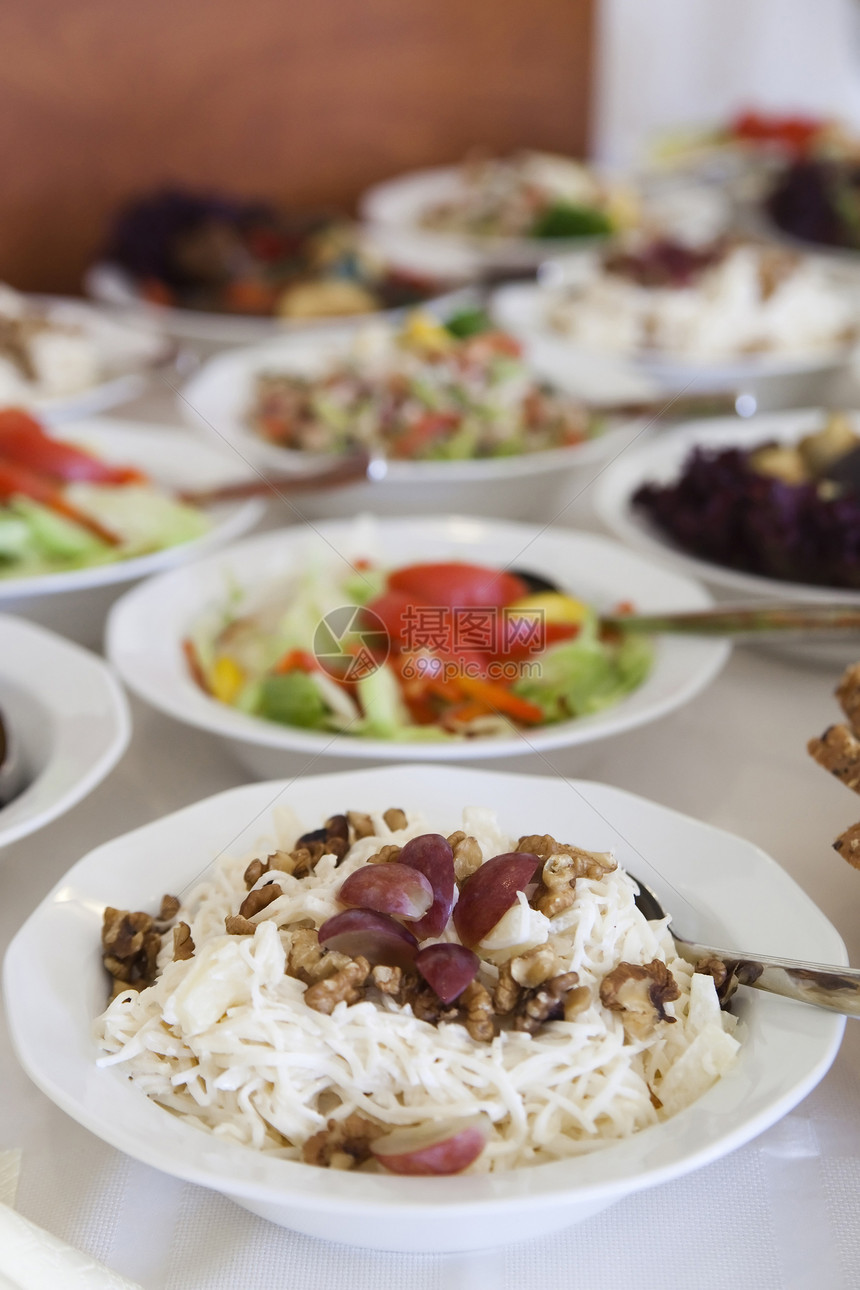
point(146, 628)
point(393, 210)
point(219, 395)
point(68, 715)
point(128, 350)
point(522, 308)
point(109, 284)
point(55, 985)
point(661, 461)
point(170, 456)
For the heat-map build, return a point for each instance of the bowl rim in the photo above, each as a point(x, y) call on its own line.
point(130, 617)
point(239, 1173)
point(45, 651)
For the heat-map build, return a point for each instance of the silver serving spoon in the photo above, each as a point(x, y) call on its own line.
point(11, 765)
point(822, 984)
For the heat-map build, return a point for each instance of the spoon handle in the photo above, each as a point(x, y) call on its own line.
point(342, 471)
point(820, 984)
point(743, 620)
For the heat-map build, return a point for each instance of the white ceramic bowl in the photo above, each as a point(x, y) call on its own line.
point(55, 986)
point(774, 380)
point(146, 629)
point(127, 350)
point(661, 461)
point(67, 715)
point(528, 486)
point(75, 602)
point(393, 211)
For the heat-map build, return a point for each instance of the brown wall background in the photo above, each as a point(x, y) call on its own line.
point(305, 102)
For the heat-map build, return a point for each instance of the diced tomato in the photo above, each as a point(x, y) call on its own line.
point(296, 660)
point(249, 296)
point(23, 442)
point(396, 609)
point(430, 426)
point(453, 585)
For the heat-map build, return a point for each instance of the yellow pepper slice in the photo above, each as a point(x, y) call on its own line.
point(554, 605)
point(227, 678)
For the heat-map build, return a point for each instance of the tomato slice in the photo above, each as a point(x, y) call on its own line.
point(452, 585)
point(23, 442)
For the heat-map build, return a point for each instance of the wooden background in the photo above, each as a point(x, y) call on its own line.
point(303, 100)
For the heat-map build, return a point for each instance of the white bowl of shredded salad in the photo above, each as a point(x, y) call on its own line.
point(250, 1073)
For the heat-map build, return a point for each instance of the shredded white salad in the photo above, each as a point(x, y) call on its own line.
point(225, 1040)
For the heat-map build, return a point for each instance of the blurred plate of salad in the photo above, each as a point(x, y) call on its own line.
point(436, 390)
point(98, 502)
point(217, 267)
point(437, 637)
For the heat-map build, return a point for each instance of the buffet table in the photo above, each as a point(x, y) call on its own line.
point(780, 1212)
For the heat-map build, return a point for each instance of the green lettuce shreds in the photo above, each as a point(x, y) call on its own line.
point(584, 676)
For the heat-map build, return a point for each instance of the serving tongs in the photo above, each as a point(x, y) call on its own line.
point(342, 470)
point(742, 620)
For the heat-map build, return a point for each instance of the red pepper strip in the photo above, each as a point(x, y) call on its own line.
point(17, 481)
point(432, 425)
point(296, 660)
point(501, 700)
point(195, 667)
point(23, 442)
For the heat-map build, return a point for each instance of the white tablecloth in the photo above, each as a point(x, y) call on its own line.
point(778, 1214)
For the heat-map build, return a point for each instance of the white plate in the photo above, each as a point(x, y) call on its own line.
point(111, 285)
point(393, 211)
point(146, 629)
point(529, 485)
point(75, 602)
point(128, 352)
point(523, 309)
point(67, 714)
point(55, 986)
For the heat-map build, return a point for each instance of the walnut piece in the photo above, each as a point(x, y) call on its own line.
point(838, 751)
point(308, 961)
point(848, 694)
point(183, 942)
point(130, 946)
point(467, 854)
point(848, 845)
point(385, 855)
point(545, 1003)
point(258, 899)
point(361, 824)
point(388, 980)
point(169, 909)
point(639, 991)
point(479, 1012)
point(342, 1144)
point(395, 818)
point(237, 925)
point(507, 992)
point(560, 873)
point(255, 871)
point(344, 987)
point(535, 967)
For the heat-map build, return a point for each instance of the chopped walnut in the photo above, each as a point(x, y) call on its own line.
point(237, 925)
point(838, 750)
point(479, 1011)
point(305, 859)
point(507, 992)
point(544, 1003)
point(467, 854)
point(576, 1001)
point(560, 873)
point(848, 694)
point(388, 980)
point(385, 855)
point(395, 818)
point(255, 871)
point(724, 978)
point(535, 967)
point(169, 909)
point(848, 845)
point(343, 987)
point(638, 991)
point(183, 943)
point(258, 899)
point(130, 946)
point(308, 961)
point(342, 1144)
point(361, 824)
point(591, 864)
